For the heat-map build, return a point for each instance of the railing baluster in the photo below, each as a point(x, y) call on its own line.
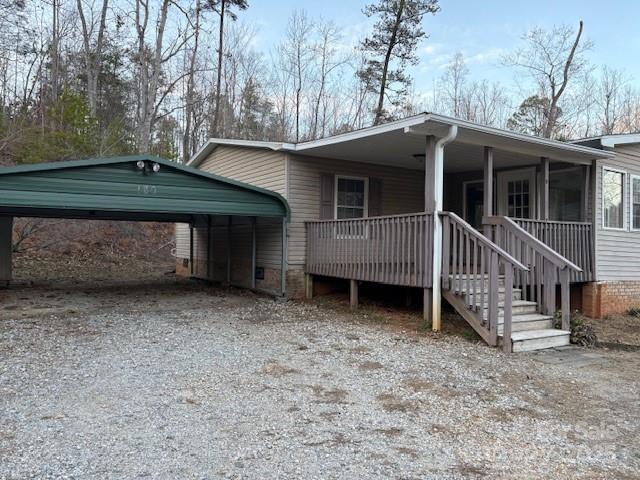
point(467, 246)
point(454, 249)
point(493, 299)
point(507, 310)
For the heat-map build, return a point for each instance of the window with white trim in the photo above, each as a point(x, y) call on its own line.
point(613, 192)
point(351, 197)
point(635, 202)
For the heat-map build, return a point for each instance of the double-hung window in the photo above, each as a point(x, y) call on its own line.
point(351, 197)
point(613, 193)
point(635, 202)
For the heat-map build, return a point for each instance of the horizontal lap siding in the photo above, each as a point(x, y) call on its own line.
point(402, 192)
point(618, 251)
point(182, 240)
point(259, 167)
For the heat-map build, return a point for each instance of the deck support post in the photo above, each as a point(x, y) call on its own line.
point(308, 286)
point(543, 190)
point(434, 185)
point(353, 294)
point(487, 188)
point(6, 231)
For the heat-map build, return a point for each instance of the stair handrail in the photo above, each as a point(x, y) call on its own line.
point(487, 242)
point(477, 245)
point(535, 243)
point(550, 257)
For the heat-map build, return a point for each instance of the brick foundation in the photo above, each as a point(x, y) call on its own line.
point(600, 299)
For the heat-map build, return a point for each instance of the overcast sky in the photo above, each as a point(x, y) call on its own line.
point(482, 30)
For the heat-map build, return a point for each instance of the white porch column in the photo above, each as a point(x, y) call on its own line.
point(6, 231)
point(429, 207)
point(438, 189)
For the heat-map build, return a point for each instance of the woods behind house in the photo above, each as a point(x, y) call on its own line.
point(83, 78)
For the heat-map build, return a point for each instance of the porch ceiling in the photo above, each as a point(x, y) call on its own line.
point(397, 143)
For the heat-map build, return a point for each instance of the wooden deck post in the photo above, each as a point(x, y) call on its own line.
point(487, 186)
point(353, 294)
point(586, 174)
point(308, 286)
point(543, 190)
point(6, 230)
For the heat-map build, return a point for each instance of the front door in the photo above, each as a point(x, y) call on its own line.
point(473, 203)
point(516, 193)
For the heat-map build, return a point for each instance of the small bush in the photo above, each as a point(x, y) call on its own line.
point(634, 312)
point(581, 332)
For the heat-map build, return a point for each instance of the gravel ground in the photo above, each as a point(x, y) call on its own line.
point(183, 381)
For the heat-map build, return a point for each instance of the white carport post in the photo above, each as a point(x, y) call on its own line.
point(6, 231)
point(434, 184)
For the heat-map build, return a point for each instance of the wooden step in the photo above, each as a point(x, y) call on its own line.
point(527, 341)
point(518, 307)
point(516, 294)
point(529, 321)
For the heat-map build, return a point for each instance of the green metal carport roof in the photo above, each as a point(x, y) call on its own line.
point(127, 188)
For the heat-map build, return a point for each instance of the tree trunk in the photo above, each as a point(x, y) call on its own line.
point(216, 112)
point(387, 58)
point(186, 141)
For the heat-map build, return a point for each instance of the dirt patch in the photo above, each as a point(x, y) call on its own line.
point(617, 330)
point(275, 369)
point(329, 396)
point(368, 366)
point(392, 403)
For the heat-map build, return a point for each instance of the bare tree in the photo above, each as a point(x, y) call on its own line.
point(187, 141)
point(609, 99)
point(298, 53)
point(92, 51)
point(552, 58)
point(395, 37)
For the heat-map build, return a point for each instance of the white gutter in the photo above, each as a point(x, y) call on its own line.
point(436, 289)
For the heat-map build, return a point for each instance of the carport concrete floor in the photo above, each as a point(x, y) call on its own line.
point(181, 380)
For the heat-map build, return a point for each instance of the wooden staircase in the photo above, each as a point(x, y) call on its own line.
point(504, 284)
point(530, 328)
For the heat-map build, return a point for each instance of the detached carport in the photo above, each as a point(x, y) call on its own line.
point(145, 189)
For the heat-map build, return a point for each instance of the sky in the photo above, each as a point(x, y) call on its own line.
point(482, 30)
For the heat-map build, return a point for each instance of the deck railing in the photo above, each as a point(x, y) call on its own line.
point(472, 266)
point(546, 267)
point(572, 240)
point(392, 249)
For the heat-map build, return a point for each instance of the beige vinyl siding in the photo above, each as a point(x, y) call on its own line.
point(402, 192)
point(618, 251)
point(260, 167)
point(182, 240)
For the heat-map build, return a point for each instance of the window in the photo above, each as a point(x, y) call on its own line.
point(612, 198)
point(518, 198)
point(635, 202)
point(351, 197)
point(565, 195)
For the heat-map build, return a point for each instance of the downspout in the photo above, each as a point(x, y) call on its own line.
point(436, 288)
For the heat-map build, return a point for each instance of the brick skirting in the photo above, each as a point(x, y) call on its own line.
point(600, 299)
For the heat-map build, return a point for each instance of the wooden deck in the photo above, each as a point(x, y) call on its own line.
point(480, 274)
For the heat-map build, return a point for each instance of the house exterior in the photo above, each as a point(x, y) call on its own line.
point(617, 226)
point(464, 211)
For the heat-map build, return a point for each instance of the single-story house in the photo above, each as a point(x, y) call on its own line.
point(508, 228)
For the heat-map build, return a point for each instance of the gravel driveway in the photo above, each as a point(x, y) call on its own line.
point(183, 381)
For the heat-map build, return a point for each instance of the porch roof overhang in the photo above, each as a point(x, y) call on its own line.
point(402, 143)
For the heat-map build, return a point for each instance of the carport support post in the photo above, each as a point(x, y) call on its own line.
point(253, 253)
point(229, 250)
point(283, 260)
point(6, 231)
